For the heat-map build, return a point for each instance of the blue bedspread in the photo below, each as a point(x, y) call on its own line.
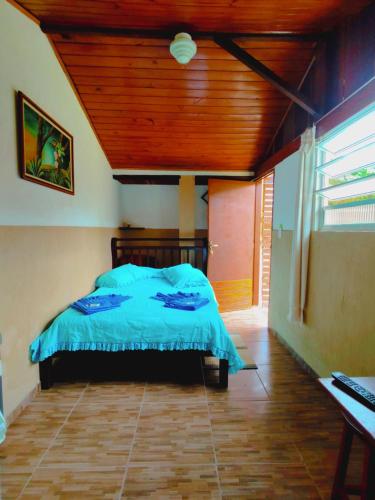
point(140, 323)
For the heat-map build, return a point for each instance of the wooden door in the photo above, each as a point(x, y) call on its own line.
point(231, 206)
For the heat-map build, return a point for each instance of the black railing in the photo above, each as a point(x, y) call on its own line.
point(167, 252)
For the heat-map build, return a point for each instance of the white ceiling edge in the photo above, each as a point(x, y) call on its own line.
point(224, 173)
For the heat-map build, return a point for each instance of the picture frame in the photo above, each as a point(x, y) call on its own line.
point(45, 148)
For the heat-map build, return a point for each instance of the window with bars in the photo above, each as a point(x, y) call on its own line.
point(345, 184)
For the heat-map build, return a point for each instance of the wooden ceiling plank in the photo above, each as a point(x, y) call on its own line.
point(169, 64)
point(161, 53)
point(224, 139)
point(144, 147)
point(296, 96)
point(228, 138)
point(174, 93)
point(206, 87)
point(160, 123)
point(197, 102)
point(199, 128)
point(177, 74)
point(194, 118)
point(236, 111)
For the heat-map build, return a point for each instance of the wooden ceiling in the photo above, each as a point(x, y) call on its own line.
point(148, 111)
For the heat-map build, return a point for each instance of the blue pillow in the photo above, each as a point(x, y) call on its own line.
point(184, 276)
point(126, 275)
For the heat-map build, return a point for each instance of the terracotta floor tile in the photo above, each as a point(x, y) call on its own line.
point(22, 454)
point(39, 420)
point(241, 447)
point(62, 394)
point(118, 392)
point(270, 374)
point(87, 445)
point(96, 414)
point(307, 391)
point(320, 457)
point(74, 484)
point(172, 482)
point(270, 481)
point(11, 484)
point(173, 433)
point(265, 353)
point(157, 392)
point(243, 385)
point(260, 417)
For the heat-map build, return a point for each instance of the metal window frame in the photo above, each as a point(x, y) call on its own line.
point(319, 200)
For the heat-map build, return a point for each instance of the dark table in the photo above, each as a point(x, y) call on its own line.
point(358, 420)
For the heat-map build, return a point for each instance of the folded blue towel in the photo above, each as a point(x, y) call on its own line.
point(171, 296)
point(182, 300)
point(187, 305)
point(99, 303)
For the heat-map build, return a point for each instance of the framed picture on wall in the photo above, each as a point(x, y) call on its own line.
point(45, 148)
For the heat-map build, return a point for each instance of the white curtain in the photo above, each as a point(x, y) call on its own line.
point(304, 220)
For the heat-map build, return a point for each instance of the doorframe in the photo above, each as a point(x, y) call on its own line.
point(257, 241)
point(258, 234)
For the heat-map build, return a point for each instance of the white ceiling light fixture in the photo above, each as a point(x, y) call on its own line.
point(183, 48)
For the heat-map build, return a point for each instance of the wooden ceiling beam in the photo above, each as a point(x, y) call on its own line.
point(164, 180)
point(62, 29)
point(248, 60)
point(173, 180)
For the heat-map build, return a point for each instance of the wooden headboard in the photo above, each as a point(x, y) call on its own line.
point(160, 252)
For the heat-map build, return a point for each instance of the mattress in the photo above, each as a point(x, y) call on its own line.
point(140, 323)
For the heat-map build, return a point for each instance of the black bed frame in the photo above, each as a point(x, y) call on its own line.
point(158, 253)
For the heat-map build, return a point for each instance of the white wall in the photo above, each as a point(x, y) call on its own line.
point(157, 207)
point(150, 206)
point(200, 208)
point(29, 64)
point(285, 192)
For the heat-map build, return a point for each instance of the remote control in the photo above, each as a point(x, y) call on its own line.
point(355, 390)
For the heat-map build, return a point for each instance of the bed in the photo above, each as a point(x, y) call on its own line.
point(142, 323)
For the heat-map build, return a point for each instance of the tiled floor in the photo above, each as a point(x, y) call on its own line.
point(272, 435)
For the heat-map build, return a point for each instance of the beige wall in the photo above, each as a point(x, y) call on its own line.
point(187, 206)
point(340, 323)
point(42, 270)
point(52, 245)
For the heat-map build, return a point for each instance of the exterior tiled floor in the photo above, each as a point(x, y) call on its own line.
point(272, 435)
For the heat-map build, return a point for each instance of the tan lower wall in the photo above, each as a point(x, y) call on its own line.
point(42, 270)
point(340, 323)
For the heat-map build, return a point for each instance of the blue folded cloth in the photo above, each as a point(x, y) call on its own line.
point(99, 303)
point(182, 300)
point(187, 305)
point(172, 296)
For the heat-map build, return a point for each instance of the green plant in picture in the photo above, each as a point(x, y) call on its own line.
point(60, 176)
point(34, 167)
point(59, 152)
